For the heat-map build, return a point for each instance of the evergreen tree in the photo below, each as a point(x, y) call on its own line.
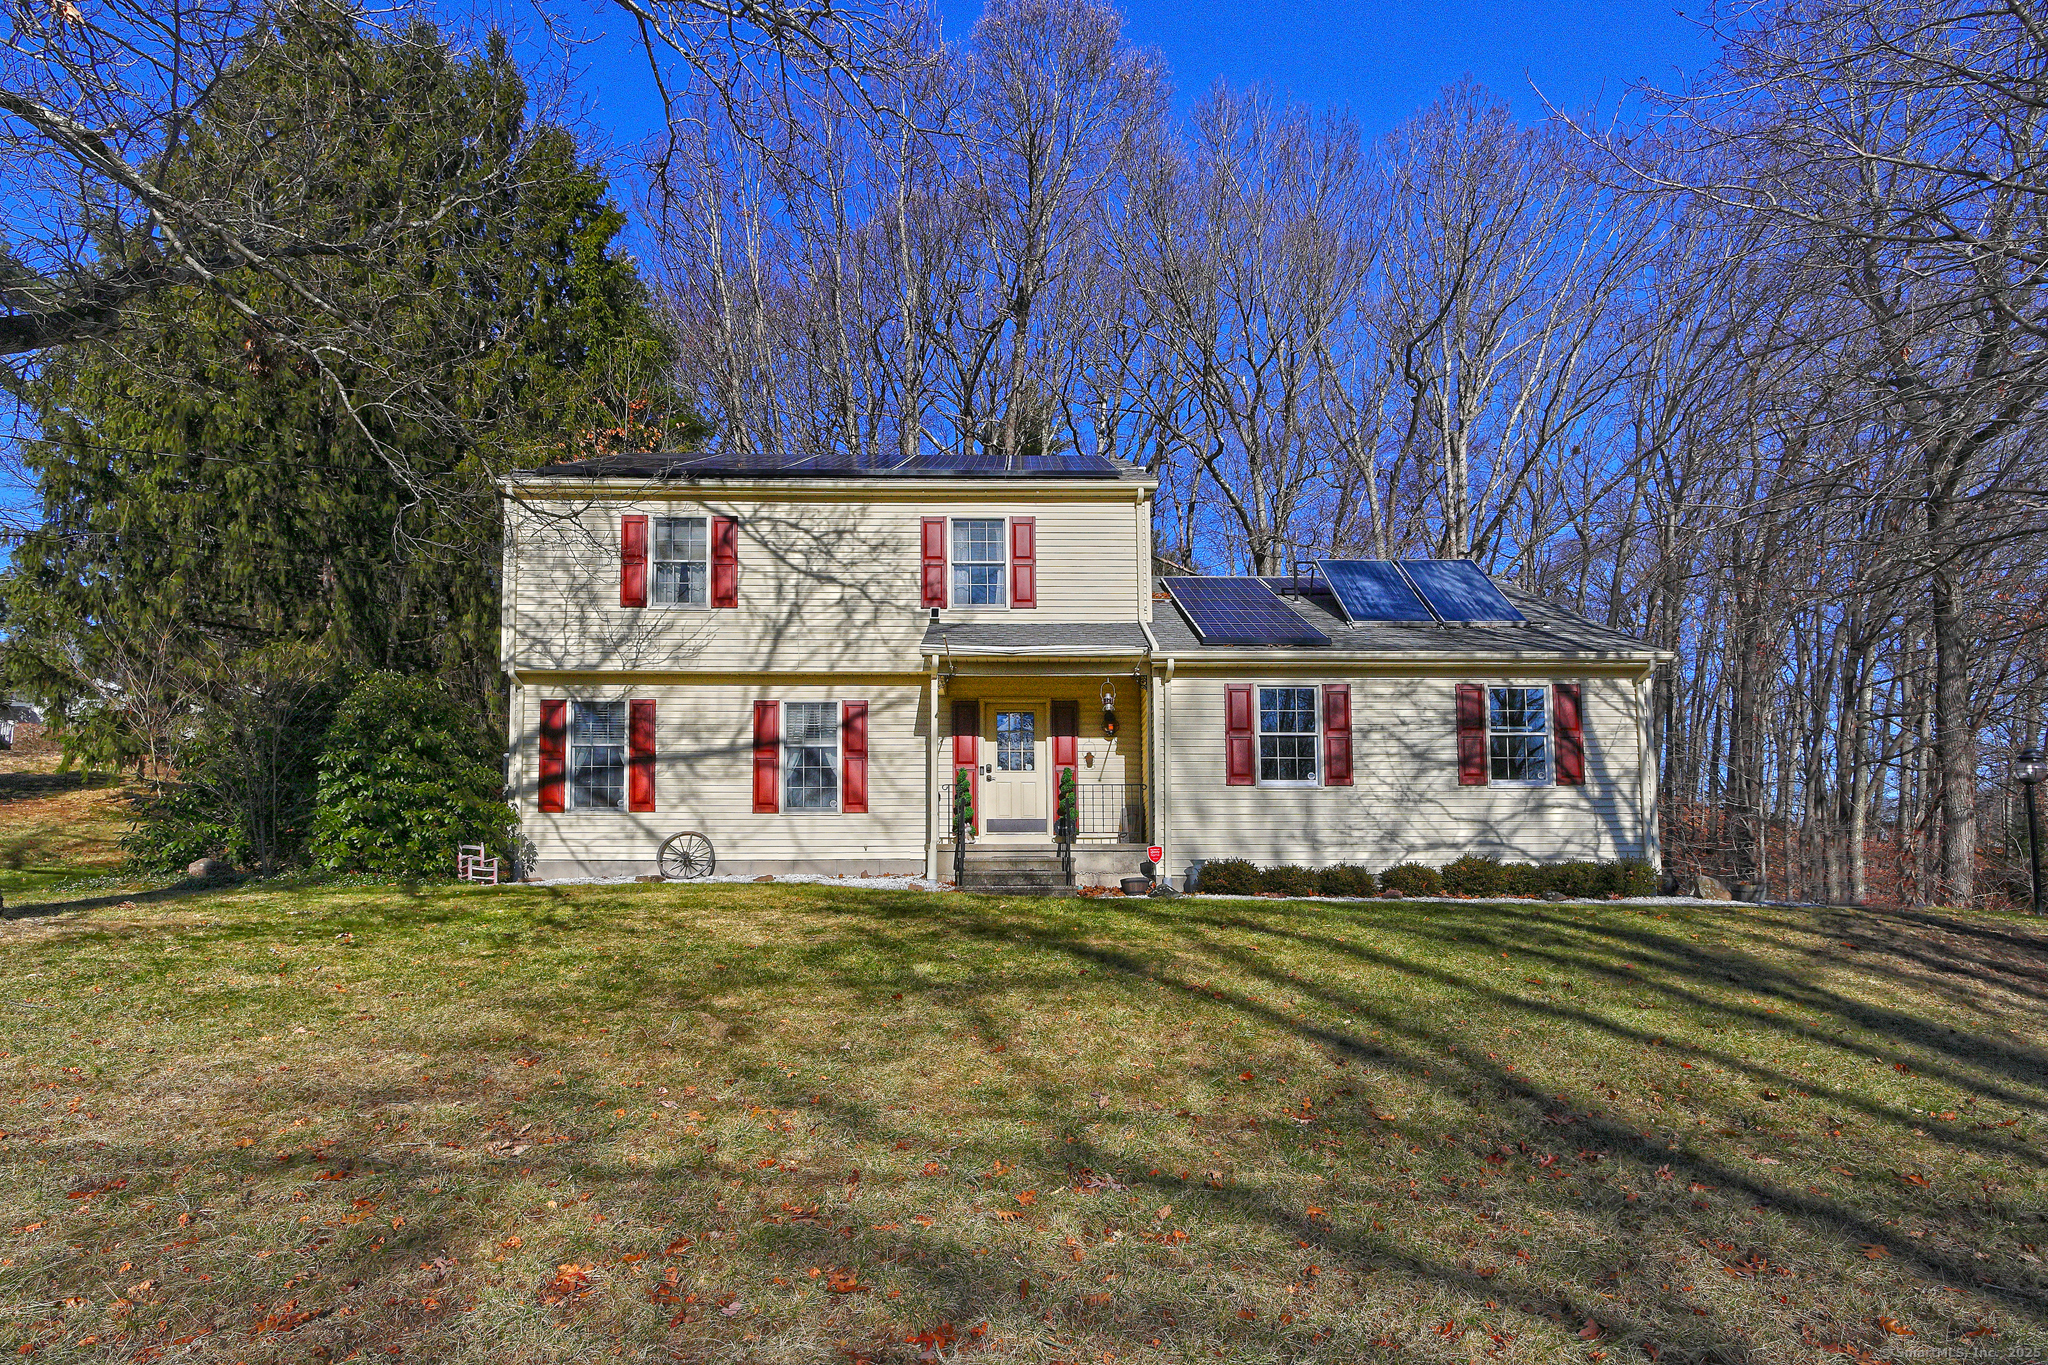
point(217, 476)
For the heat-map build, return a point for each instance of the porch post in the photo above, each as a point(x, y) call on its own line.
point(931, 778)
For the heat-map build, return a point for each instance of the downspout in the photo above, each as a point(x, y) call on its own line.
point(1646, 781)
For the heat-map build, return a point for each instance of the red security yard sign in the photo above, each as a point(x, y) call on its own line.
point(1155, 855)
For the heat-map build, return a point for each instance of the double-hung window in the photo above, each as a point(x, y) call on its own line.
point(597, 754)
point(1287, 737)
point(979, 563)
point(810, 755)
point(1518, 735)
point(682, 561)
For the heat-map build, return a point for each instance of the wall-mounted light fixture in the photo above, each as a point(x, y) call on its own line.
point(1108, 706)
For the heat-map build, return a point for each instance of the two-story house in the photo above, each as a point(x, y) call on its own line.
point(801, 660)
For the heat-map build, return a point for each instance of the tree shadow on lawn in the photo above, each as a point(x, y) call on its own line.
point(1599, 1195)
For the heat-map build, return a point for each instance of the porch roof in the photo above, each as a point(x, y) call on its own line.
point(1053, 638)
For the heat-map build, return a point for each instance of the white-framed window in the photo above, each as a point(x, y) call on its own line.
point(1518, 735)
point(682, 562)
point(597, 755)
point(1288, 737)
point(810, 755)
point(981, 562)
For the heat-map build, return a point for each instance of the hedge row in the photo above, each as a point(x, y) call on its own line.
point(1468, 876)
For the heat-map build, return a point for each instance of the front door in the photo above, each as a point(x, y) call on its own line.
point(1015, 790)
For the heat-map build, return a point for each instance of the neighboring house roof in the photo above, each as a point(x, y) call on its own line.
point(20, 713)
point(835, 465)
point(1550, 629)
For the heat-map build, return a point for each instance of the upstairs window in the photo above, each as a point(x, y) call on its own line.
point(979, 563)
point(810, 755)
point(1518, 735)
point(682, 561)
point(1287, 737)
point(597, 754)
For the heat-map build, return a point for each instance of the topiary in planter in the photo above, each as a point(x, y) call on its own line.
point(1289, 881)
point(1475, 876)
point(1413, 879)
point(1347, 879)
point(1227, 877)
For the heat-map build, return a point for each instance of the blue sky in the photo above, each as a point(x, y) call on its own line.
point(1381, 61)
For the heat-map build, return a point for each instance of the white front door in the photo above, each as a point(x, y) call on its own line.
point(1015, 780)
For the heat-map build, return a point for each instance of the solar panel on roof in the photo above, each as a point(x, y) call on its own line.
point(1457, 591)
point(1374, 590)
point(1240, 611)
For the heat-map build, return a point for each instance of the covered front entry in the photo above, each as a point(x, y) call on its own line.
point(1016, 772)
point(1014, 738)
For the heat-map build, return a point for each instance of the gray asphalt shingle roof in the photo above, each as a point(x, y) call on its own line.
point(1039, 637)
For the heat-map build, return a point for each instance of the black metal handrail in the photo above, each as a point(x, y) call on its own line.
point(1111, 812)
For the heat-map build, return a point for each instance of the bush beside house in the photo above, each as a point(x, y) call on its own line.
point(1471, 875)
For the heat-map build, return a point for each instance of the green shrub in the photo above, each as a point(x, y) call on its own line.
point(1413, 879)
point(1634, 877)
point(1289, 881)
point(1347, 879)
point(403, 782)
point(1475, 876)
point(1579, 880)
point(246, 764)
point(1228, 877)
point(1523, 879)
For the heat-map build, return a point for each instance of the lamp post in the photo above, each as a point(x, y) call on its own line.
point(2028, 769)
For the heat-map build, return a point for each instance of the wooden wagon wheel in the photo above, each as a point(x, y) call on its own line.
point(687, 855)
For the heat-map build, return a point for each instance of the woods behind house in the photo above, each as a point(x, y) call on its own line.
point(1752, 367)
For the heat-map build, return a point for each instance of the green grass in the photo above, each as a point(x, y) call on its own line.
point(775, 1123)
point(56, 828)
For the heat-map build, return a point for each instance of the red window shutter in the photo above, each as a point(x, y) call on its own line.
point(966, 748)
point(1237, 737)
point(554, 743)
point(725, 561)
point(1337, 735)
point(853, 758)
point(640, 754)
point(767, 757)
point(932, 562)
point(1471, 735)
point(1023, 561)
point(1066, 749)
point(632, 561)
point(1571, 735)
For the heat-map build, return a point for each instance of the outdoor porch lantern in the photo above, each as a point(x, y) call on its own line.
point(1108, 706)
point(2028, 770)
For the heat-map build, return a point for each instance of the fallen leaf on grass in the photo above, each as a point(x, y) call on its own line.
point(1591, 1331)
point(1896, 1328)
point(571, 1281)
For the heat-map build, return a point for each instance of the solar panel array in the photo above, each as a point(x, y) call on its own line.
point(975, 463)
point(1374, 590)
point(1240, 611)
point(1441, 590)
point(1457, 591)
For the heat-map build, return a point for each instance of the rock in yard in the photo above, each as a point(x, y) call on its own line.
point(1710, 888)
point(208, 867)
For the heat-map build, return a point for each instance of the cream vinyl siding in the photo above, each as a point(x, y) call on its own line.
point(704, 778)
point(1405, 803)
point(823, 585)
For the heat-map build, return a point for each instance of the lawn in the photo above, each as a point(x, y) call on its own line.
point(779, 1123)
